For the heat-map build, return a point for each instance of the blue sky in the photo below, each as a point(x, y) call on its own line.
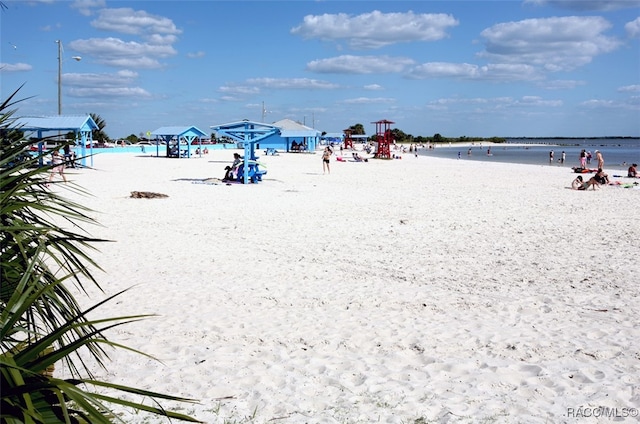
point(458, 68)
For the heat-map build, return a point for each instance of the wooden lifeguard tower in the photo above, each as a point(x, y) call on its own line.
point(384, 138)
point(348, 141)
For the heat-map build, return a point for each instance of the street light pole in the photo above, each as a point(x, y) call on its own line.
point(59, 77)
point(76, 58)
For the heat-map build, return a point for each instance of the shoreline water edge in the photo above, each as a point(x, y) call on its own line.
point(619, 154)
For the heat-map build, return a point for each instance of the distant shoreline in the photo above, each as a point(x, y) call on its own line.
point(574, 138)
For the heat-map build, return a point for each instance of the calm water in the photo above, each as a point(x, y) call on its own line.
point(618, 153)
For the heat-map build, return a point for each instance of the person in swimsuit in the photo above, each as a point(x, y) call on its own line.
point(58, 166)
point(326, 159)
point(580, 184)
point(600, 159)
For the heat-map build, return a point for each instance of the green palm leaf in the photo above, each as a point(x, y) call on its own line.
point(41, 322)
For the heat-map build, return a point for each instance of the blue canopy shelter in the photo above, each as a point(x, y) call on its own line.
point(293, 133)
point(248, 134)
point(81, 126)
point(178, 140)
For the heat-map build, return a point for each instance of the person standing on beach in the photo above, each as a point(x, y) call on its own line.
point(563, 157)
point(326, 159)
point(600, 159)
point(551, 156)
point(57, 162)
point(583, 159)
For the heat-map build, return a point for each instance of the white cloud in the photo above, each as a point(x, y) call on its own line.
point(196, 55)
point(239, 89)
point(118, 84)
point(348, 64)
point(539, 101)
point(373, 87)
point(15, 67)
point(561, 84)
point(495, 72)
point(495, 102)
point(630, 89)
point(116, 52)
point(376, 29)
point(291, 83)
point(128, 21)
point(586, 5)
point(555, 44)
point(633, 28)
point(103, 80)
point(109, 92)
point(85, 7)
point(368, 100)
point(594, 103)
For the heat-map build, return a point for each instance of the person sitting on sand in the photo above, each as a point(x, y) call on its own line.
point(633, 171)
point(237, 160)
point(358, 158)
point(580, 184)
point(601, 177)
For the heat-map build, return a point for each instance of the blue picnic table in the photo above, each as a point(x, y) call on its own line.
point(255, 173)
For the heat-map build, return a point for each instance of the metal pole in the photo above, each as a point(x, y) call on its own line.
point(59, 77)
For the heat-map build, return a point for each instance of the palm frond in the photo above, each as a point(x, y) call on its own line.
point(41, 321)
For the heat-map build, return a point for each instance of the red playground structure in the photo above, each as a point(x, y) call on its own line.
point(384, 137)
point(348, 141)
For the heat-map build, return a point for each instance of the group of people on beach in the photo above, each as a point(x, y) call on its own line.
point(563, 156)
point(594, 182)
point(598, 179)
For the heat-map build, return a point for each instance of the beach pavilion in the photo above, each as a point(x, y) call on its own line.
point(294, 132)
point(178, 140)
point(81, 126)
point(247, 134)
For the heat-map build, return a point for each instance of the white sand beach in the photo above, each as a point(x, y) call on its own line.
point(417, 290)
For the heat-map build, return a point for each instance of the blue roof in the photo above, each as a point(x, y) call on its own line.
point(290, 128)
point(179, 131)
point(246, 131)
point(55, 123)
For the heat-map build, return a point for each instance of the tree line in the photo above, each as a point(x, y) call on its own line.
point(403, 138)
